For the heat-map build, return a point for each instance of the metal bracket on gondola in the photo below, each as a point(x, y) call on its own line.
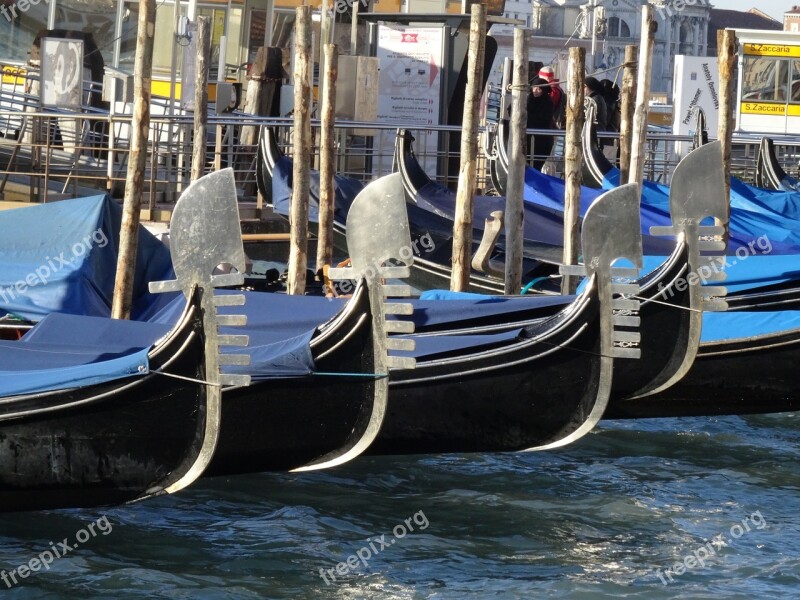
point(205, 234)
point(379, 242)
point(624, 307)
point(697, 192)
point(383, 292)
point(619, 317)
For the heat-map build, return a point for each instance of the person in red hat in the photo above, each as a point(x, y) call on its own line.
point(556, 96)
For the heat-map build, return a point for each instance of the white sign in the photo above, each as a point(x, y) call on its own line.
point(62, 73)
point(695, 85)
point(409, 88)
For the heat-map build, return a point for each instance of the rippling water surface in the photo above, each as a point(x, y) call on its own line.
point(605, 517)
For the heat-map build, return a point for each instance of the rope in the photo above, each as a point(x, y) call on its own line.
point(686, 308)
point(372, 375)
point(184, 378)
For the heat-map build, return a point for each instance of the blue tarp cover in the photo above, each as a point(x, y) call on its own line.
point(346, 190)
point(757, 215)
point(61, 353)
point(62, 257)
point(719, 326)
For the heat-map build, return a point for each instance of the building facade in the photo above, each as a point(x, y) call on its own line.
point(610, 25)
point(791, 19)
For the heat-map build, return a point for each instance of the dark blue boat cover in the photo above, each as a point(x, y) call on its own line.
point(756, 214)
point(28, 367)
point(346, 190)
point(62, 257)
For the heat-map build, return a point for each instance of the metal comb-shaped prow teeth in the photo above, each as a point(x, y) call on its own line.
point(715, 263)
point(626, 341)
point(389, 308)
point(241, 360)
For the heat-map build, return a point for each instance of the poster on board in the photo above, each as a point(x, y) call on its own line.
point(62, 73)
point(696, 86)
point(409, 89)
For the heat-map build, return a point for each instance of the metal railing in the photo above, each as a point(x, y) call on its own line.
point(47, 154)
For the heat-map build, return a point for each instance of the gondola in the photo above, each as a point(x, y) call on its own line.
point(431, 230)
point(769, 173)
point(536, 387)
point(544, 225)
point(672, 301)
point(330, 411)
point(554, 376)
point(85, 425)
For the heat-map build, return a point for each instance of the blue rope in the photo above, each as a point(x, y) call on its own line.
point(528, 286)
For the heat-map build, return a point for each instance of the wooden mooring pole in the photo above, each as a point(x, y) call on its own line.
point(639, 143)
point(201, 96)
point(573, 164)
point(327, 158)
point(140, 125)
point(462, 226)
point(627, 110)
point(726, 59)
point(517, 159)
point(301, 158)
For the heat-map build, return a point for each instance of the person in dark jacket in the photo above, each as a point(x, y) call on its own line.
point(611, 94)
point(593, 93)
point(540, 116)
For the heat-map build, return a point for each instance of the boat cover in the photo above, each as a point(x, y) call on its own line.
point(756, 214)
point(31, 367)
point(720, 326)
point(62, 257)
point(717, 326)
point(750, 272)
point(346, 190)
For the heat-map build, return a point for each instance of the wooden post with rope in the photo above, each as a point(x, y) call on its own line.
point(726, 59)
point(514, 213)
point(627, 110)
point(201, 96)
point(327, 153)
point(645, 67)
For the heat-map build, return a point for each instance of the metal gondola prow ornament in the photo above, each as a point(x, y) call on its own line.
point(611, 231)
point(379, 243)
point(697, 194)
point(204, 235)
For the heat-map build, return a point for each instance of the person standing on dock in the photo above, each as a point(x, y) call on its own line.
point(540, 116)
point(593, 93)
point(557, 97)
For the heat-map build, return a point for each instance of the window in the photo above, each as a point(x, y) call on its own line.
point(766, 78)
point(618, 28)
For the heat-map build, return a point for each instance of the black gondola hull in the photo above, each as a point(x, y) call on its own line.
point(105, 444)
point(752, 376)
point(534, 395)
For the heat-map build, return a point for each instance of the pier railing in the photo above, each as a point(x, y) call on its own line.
point(52, 154)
